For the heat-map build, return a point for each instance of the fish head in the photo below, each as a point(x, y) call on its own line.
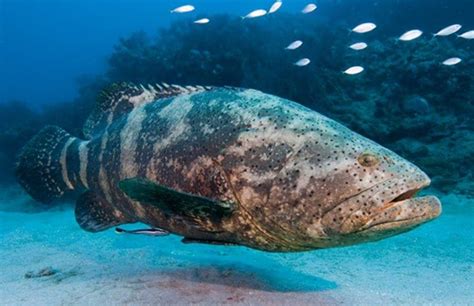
point(382, 199)
point(308, 182)
point(340, 188)
point(370, 195)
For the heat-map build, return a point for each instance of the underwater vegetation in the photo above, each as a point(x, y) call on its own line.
point(405, 99)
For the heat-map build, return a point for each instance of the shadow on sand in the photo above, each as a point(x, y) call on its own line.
point(276, 279)
point(234, 267)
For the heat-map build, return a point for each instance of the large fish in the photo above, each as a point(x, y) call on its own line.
point(226, 166)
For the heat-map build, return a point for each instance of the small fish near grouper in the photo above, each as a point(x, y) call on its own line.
point(354, 70)
point(364, 28)
point(202, 21)
point(255, 14)
point(183, 9)
point(309, 8)
point(147, 232)
point(411, 35)
point(449, 30)
point(302, 62)
point(294, 45)
point(358, 46)
point(275, 7)
point(226, 166)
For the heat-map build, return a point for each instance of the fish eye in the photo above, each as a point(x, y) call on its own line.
point(368, 160)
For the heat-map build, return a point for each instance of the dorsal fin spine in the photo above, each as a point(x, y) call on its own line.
point(131, 96)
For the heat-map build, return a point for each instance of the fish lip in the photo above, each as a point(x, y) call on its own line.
point(417, 182)
point(365, 220)
point(408, 223)
point(408, 198)
point(409, 194)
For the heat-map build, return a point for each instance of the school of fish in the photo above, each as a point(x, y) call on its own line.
point(362, 28)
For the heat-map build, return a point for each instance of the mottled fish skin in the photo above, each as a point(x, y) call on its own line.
point(301, 180)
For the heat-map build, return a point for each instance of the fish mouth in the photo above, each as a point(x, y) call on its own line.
point(407, 195)
point(404, 211)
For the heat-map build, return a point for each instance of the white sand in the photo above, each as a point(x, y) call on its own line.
point(431, 265)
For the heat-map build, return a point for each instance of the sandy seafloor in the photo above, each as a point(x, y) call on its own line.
point(433, 264)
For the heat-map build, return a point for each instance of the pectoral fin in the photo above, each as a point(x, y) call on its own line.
point(176, 202)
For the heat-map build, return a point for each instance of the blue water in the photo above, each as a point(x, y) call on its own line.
point(55, 41)
point(55, 55)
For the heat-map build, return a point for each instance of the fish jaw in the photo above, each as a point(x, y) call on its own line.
point(387, 209)
point(429, 208)
point(401, 216)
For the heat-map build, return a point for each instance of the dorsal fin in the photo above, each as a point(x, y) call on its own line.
point(122, 98)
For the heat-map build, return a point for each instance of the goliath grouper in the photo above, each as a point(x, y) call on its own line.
point(226, 166)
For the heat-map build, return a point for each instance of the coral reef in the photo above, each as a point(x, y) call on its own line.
point(405, 99)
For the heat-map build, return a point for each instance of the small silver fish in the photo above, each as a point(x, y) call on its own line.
point(303, 62)
point(294, 45)
point(183, 9)
point(467, 35)
point(449, 30)
point(202, 21)
point(309, 8)
point(452, 61)
point(364, 28)
point(410, 35)
point(354, 70)
point(275, 7)
point(358, 46)
point(255, 14)
point(147, 231)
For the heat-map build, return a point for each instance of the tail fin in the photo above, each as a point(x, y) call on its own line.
point(39, 169)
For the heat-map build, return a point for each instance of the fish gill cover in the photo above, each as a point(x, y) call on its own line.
point(405, 99)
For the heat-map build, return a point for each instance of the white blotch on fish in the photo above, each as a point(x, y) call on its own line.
point(354, 70)
point(294, 45)
point(411, 35)
point(467, 35)
point(449, 30)
point(183, 9)
point(364, 28)
point(309, 8)
point(303, 62)
point(358, 46)
point(255, 14)
point(275, 7)
point(452, 61)
point(202, 21)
